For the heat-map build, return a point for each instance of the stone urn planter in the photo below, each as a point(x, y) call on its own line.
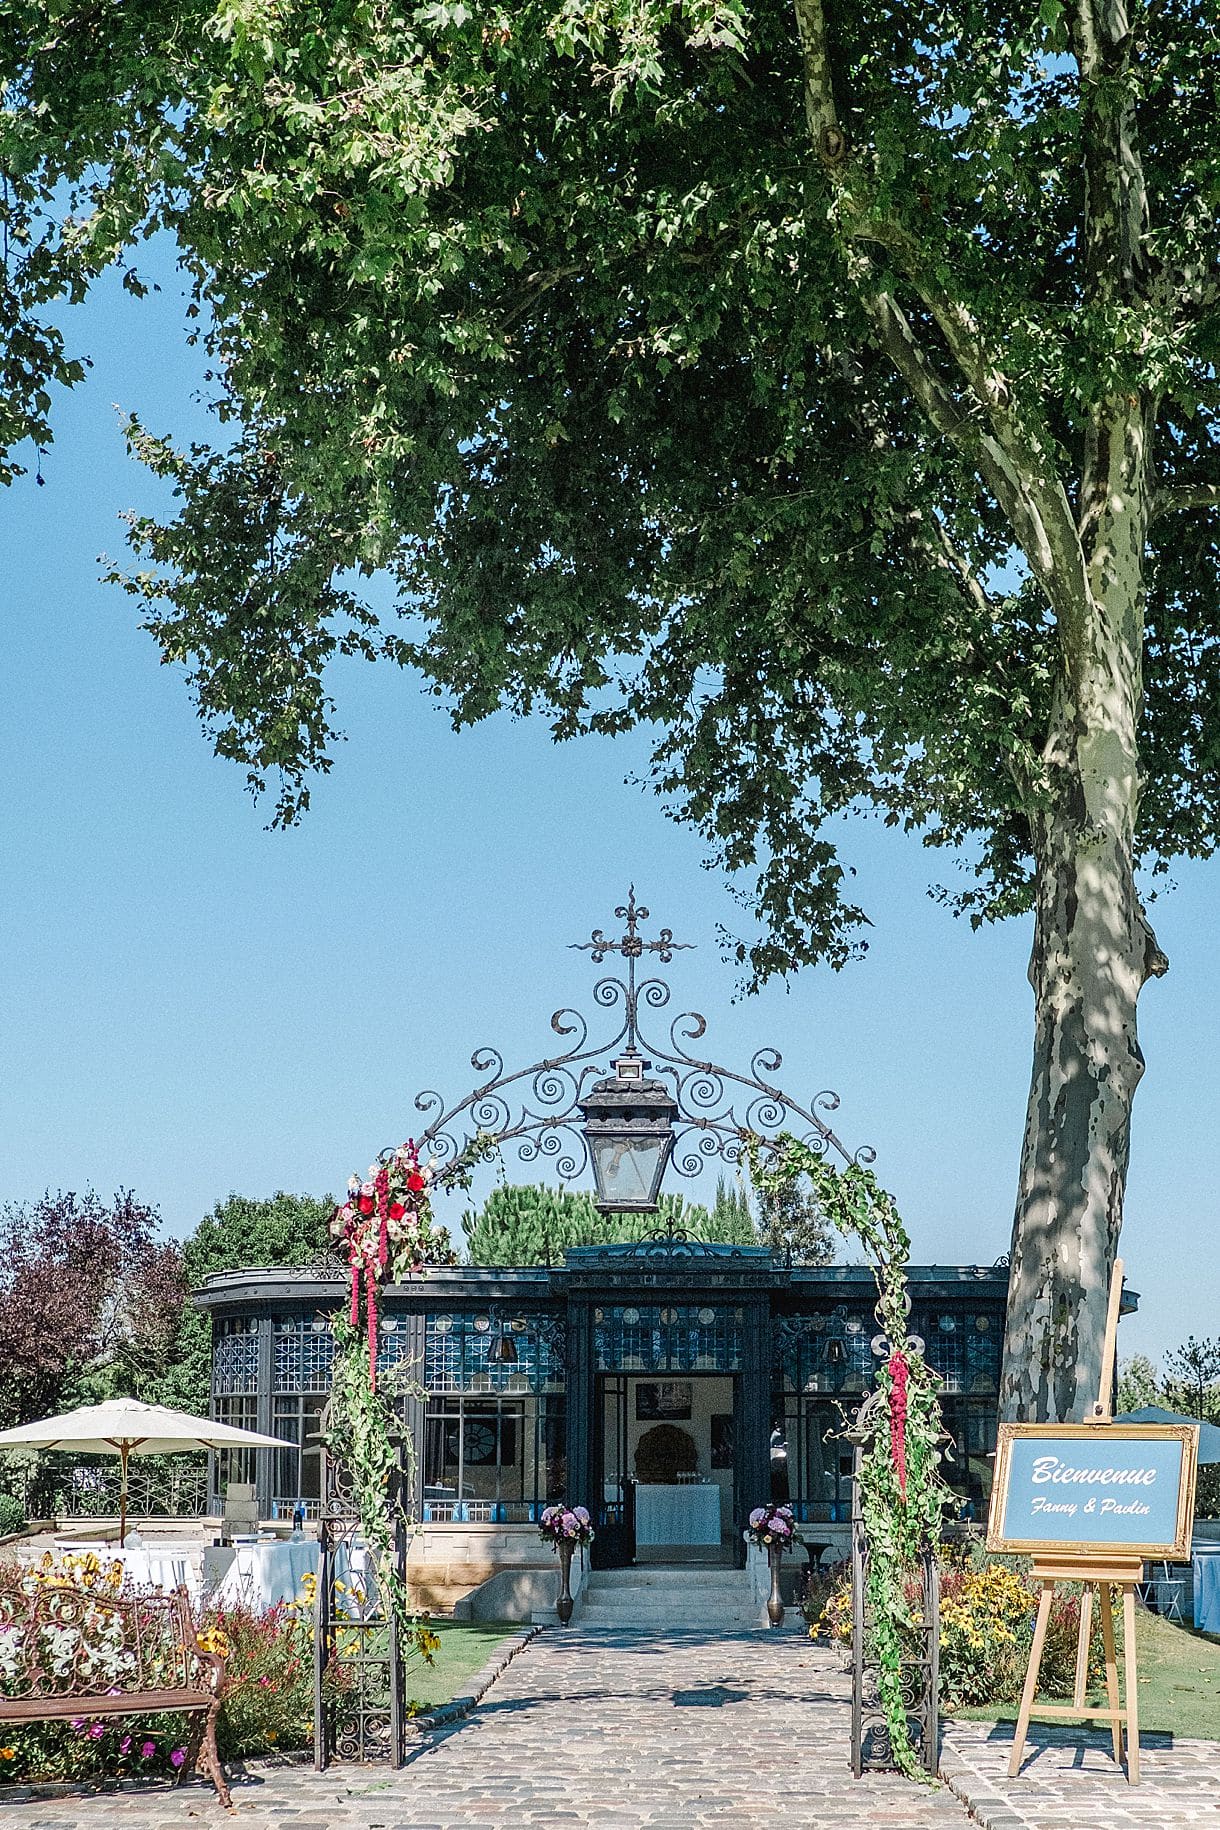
point(565, 1528)
point(770, 1528)
point(775, 1606)
point(563, 1606)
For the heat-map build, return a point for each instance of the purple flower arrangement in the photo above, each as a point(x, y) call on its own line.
point(564, 1524)
point(769, 1525)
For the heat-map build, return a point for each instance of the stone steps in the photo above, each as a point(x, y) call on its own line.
point(655, 1599)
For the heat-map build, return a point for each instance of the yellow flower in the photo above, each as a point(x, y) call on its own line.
point(271, 1735)
point(8, 1753)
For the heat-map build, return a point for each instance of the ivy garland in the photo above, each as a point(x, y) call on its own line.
point(365, 1435)
point(902, 1494)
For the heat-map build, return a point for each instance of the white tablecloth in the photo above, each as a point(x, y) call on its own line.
point(260, 1575)
point(688, 1514)
point(157, 1568)
point(1205, 1581)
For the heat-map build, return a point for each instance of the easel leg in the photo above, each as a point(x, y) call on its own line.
point(1031, 1678)
point(1107, 1640)
point(1082, 1646)
point(1131, 1685)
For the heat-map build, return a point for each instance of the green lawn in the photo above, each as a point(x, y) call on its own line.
point(1179, 1681)
point(465, 1649)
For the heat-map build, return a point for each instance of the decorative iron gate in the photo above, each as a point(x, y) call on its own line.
point(359, 1672)
point(920, 1677)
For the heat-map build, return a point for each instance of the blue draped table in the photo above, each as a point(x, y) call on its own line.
point(1205, 1576)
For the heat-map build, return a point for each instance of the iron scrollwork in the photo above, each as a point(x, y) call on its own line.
point(919, 1676)
point(538, 1108)
point(360, 1698)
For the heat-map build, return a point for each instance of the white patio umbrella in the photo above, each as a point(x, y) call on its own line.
point(131, 1428)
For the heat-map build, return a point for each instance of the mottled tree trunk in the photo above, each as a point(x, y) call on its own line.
point(1093, 951)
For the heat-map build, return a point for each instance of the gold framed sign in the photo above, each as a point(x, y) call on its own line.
point(1089, 1490)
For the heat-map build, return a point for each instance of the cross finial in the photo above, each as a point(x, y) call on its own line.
point(631, 946)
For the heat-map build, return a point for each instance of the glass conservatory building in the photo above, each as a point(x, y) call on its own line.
point(627, 1373)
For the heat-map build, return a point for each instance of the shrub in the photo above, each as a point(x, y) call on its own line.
point(268, 1704)
point(987, 1615)
point(12, 1514)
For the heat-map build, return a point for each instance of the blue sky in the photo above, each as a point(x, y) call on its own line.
point(194, 1005)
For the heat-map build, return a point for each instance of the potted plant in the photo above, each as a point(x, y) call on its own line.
point(772, 1528)
point(565, 1527)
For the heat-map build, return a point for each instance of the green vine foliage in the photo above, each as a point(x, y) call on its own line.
point(899, 1527)
point(366, 1436)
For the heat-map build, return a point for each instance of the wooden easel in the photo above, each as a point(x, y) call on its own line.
point(1103, 1574)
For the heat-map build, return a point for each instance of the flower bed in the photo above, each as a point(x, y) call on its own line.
point(268, 1705)
point(987, 1614)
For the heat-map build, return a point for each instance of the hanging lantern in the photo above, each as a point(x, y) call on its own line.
point(629, 1129)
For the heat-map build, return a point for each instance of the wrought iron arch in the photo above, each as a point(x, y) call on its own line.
point(537, 1107)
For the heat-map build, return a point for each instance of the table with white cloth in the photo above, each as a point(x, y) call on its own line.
point(157, 1567)
point(259, 1575)
point(1205, 1580)
point(680, 1514)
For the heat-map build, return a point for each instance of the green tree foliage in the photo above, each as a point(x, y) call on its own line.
point(530, 1225)
point(1190, 1387)
point(829, 389)
point(731, 1214)
point(794, 1226)
point(1193, 1379)
point(535, 1224)
point(1139, 1384)
point(240, 1231)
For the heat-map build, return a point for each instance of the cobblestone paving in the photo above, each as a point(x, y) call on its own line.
point(1068, 1780)
point(605, 1731)
point(587, 1729)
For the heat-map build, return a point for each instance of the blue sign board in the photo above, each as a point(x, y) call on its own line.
point(1082, 1488)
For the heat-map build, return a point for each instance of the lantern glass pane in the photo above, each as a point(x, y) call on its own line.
point(628, 1169)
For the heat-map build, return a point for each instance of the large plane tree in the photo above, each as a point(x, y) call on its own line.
point(828, 387)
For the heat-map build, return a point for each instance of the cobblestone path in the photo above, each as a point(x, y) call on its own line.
point(1069, 1781)
point(609, 1730)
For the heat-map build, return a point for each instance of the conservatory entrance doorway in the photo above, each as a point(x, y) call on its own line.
point(668, 1468)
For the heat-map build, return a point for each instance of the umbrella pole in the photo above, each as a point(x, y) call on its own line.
point(124, 1451)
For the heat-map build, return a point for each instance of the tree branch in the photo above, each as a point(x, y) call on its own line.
point(1175, 497)
point(1053, 551)
point(1014, 461)
point(1116, 200)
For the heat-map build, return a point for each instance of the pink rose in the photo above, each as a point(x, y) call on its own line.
point(178, 1756)
point(149, 1749)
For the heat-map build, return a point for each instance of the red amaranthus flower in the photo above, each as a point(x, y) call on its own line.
point(898, 1416)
